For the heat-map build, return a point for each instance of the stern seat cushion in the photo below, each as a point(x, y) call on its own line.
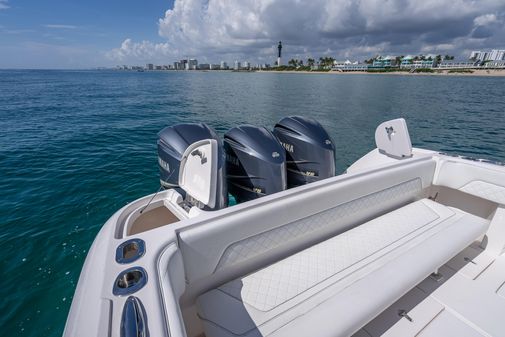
point(335, 287)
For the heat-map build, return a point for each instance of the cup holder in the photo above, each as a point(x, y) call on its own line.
point(130, 251)
point(129, 281)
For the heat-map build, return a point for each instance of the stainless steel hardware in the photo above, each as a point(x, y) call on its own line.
point(390, 131)
point(129, 281)
point(437, 277)
point(130, 251)
point(404, 313)
point(133, 319)
point(467, 259)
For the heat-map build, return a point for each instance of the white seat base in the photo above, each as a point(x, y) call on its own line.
point(337, 286)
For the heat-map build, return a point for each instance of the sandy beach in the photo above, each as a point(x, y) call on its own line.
point(475, 72)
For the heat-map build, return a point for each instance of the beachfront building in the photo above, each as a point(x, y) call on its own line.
point(477, 55)
point(224, 65)
point(496, 55)
point(384, 62)
point(407, 62)
point(183, 64)
point(355, 67)
point(457, 64)
point(493, 55)
point(246, 65)
point(192, 64)
point(348, 65)
point(425, 64)
point(495, 64)
point(237, 65)
point(215, 67)
point(342, 64)
point(149, 66)
point(204, 66)
point(413, 62)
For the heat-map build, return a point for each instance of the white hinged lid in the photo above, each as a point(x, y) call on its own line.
point(393, 139)
point(198, 171)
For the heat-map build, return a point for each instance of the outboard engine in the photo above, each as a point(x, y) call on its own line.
point(310, 153)
point(255, 163)
point(173, 142)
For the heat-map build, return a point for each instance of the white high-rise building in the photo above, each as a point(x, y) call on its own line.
point(237, 65)
point(496, 55)
point(493, 55)
point(192, 64)
point(475, 54)
point(224, 65)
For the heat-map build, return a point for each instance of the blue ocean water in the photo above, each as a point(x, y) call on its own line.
point(75, 146)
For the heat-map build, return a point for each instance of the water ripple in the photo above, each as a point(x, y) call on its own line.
point(77, 145)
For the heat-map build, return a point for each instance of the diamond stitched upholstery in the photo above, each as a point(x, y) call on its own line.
point(318, 289)
point(249, 247)
point(274, 285)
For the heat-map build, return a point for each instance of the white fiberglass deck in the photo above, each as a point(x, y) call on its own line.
point(466, 299)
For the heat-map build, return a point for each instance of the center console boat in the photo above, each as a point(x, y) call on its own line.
point(406, 242)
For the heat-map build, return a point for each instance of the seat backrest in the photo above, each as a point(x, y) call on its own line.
point(265, 230)
point(486, 181)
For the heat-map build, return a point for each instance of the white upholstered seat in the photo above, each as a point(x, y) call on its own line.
point(311, 292)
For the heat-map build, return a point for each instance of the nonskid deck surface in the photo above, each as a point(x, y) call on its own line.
point(467, 298)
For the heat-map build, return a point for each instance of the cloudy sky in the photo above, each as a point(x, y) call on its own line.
point(76, 34)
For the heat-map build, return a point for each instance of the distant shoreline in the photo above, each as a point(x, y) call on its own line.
point(475, 72)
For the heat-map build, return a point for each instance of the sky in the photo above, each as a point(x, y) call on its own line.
point(93, 33)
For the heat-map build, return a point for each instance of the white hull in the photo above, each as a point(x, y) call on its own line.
point(393, 247)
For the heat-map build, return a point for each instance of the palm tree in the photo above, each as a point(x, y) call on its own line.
point(326, 61)
point(310, 62)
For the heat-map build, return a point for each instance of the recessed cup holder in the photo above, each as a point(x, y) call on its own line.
point(129, 281)
point(130, 250)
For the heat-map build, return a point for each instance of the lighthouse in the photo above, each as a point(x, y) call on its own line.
point(279, 47)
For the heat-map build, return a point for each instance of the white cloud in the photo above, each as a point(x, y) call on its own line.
point(53, 26)
point(143, 51)
point(3, 4)
point(485, 19)
point(345, 28)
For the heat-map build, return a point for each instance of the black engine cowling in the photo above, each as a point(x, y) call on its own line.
point(255, 163)
point(310, 153)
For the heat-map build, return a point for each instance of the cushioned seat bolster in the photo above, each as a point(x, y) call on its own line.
point(345, 313)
